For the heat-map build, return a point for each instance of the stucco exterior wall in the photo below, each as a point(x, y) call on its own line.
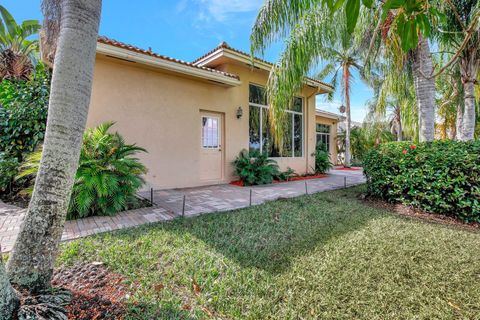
point(161, 112)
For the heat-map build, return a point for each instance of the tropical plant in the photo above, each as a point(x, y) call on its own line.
point(314, 34)
point(460, 32)
point(322, 159)
point(23, 113)
point(255, 168)
point(108, 175)
point(8, 169)
point(33, 256)
point(373, 133)
point(449, 103)
point(394, 99)
point(439, 177)
point(17, 51)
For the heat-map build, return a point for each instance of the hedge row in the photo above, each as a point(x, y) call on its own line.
point(439, 177)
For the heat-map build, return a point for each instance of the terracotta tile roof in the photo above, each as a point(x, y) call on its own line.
point(225, 45)
point(112, 42)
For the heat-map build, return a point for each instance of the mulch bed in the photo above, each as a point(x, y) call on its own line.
point(348, 169)
point(97, 293)
point(239, 183)
point(411, 212)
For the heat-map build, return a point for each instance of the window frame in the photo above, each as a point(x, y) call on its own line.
point(266, 107)
point(324, 134)
point(219, 136)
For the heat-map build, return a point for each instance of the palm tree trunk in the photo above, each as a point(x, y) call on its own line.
point(398, 120)
point(459, 123)
point(34, 253)
point(9, 300)
point(468, 69)
point(346, 89)
point(425, 90)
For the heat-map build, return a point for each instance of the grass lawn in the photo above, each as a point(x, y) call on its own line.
point(322, 256)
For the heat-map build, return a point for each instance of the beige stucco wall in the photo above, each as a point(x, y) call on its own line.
point(333, 123)
point(161, 112)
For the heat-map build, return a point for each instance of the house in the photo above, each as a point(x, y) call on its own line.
point(195, 117)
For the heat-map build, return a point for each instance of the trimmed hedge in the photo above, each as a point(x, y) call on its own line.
point(439, 177)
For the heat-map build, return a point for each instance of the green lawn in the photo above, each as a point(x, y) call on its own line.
point(323, 256)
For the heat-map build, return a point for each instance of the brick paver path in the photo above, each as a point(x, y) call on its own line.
point(169, 204)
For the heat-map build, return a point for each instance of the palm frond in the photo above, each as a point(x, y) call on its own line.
point(275, 20)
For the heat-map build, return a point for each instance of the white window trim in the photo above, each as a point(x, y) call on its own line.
point(219, 136)
point(325, 134)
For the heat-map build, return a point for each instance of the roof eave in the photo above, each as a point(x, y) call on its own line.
point(129, 55)
point(226, 52)
point(329, 115)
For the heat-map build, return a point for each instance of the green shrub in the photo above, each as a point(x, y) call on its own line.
point(322, 159)
point(439, 177)
point(107, 178)
point(8, 169)
point(255, 168)
point(285, 175)
point(23, 113)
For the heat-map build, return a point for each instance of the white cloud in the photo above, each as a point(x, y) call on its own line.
point(221, 10)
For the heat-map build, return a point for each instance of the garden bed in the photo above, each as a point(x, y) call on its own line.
point(348, 169)
point(240, 183)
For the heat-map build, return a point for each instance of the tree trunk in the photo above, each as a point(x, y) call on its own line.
point(468, 69)
point(398, 121)
point(9, 300)
point(34, 253)
point(425, 90)
point(346, 88)
point(459, 123)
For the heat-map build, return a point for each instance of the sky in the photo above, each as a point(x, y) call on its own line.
point(186, 29)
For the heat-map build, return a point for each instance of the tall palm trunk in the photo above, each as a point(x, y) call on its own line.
point(9, 299)
point(398, 124)
point(33, 256)
point(346, 89)
point(459, 123)
point(425, 90)
point(469, 65)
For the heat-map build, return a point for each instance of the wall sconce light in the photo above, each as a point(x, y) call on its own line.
point(239, 112)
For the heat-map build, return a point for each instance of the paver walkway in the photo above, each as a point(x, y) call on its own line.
point(170, 204)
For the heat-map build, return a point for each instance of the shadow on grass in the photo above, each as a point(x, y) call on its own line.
point(146, 312)
point(269, 236)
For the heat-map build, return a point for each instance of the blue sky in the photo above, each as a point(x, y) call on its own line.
point(186, 29)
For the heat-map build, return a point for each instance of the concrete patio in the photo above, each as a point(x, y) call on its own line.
point(169, 204)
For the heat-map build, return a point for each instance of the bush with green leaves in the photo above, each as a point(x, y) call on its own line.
point(255, 168)
point(439, 177)
point(322, 159)
point(8, 169)
point(23, 113)
point(108, 176)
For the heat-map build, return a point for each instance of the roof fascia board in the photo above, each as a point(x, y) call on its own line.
point(225, 52)
point(164, 64)
point(328, 115)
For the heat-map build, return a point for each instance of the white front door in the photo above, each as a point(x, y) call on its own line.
point(211, 148)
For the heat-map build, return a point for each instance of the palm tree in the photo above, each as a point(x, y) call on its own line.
point(461, 32)
point(394, 98)
point(17, 52)
point(314, 34)
point(33, 256)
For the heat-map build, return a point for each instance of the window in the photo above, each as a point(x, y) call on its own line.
point(210, 132)
point(259, 127)
point(323, 135)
